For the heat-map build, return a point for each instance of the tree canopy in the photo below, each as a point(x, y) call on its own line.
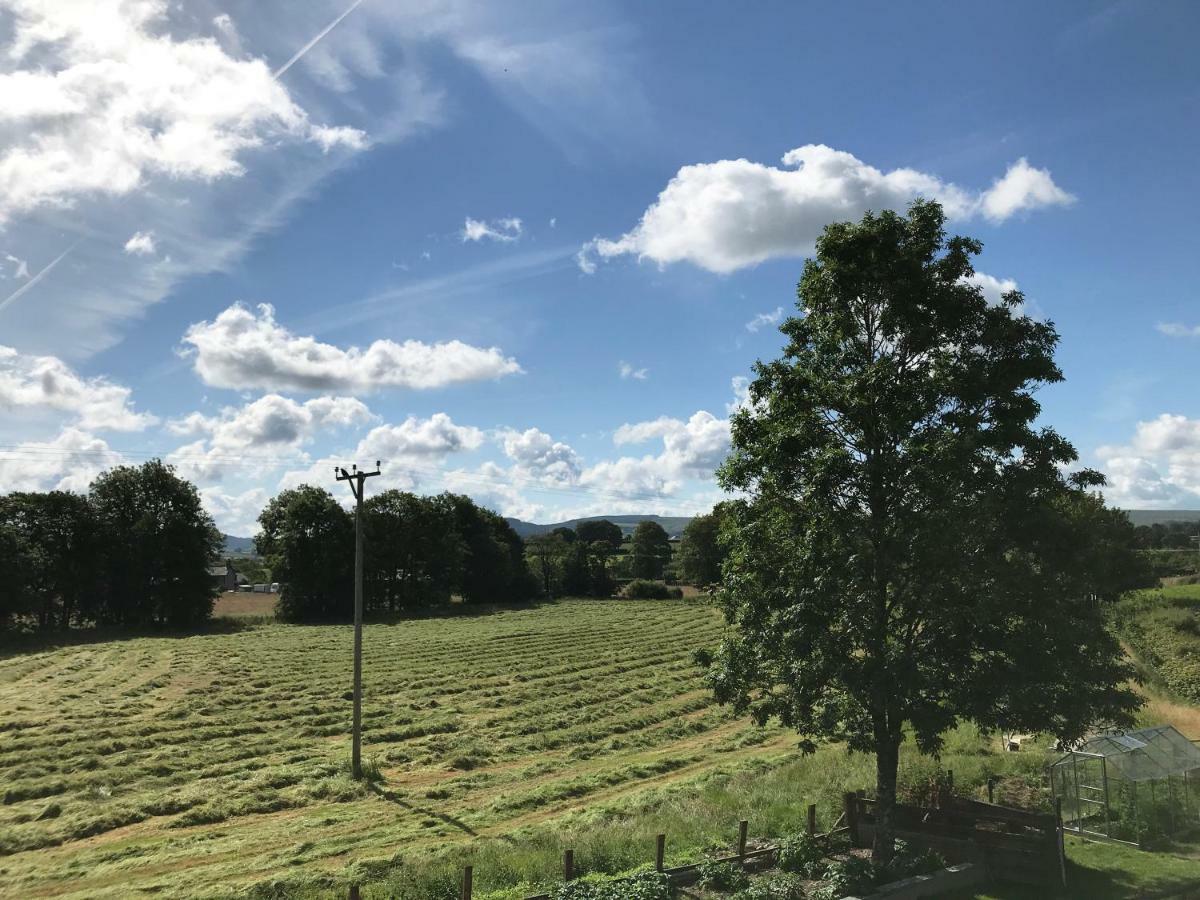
point(651, 550)
point(700, 550)
point(603, 530)
point(908, 553)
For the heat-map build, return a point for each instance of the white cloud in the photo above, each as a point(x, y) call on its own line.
point(626, 370)
point(68, 463)
point(141, 244)
point(1176, 329)
point(504, 230)
point(993, 288)
point(764, 319)
point(243, 350)
point(235, 512)
point(730, 214)
point(741, 394)
point(109, 97)
point(538, 457)
point(39, 382)
point(1022, 188)
point(260, 431)
point(20, 267)
point(436, 436)
point(1159, 467)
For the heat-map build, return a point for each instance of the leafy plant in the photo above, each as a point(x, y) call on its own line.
point(641, 886)
point(722, 876)
point(779, 887)
point(802, 853)
point(846, 877)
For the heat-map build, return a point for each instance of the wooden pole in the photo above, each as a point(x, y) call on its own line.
point(468, 873)
point(660, 852)
point(354, 895)
point(743, 827)
point(1060, 841)
point(812, 819)
point(851, 802)
point(568, 865)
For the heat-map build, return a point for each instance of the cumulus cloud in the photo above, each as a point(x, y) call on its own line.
point(537, 456)
point(729, 214)
point(41, 382)
point(993, 288)
point(764, 319)
point(1021, 189)
point(107, 96)
point(1176, 329)
point(70, 462)
point(691, 449)
point(504, 230)
point(626, 370)
point(1160, 466)
point(241, 349)
point(263, 429)
point(235, 512)
point(141, 244)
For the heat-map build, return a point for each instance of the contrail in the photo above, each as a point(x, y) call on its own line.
point(324, 31)
point(16, 295)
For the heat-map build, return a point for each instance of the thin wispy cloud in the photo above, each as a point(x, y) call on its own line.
point(627, 370)
point(1178, 330)
point(764, 319)
point(504, 230)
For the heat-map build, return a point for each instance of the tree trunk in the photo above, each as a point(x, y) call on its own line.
point(887, 761)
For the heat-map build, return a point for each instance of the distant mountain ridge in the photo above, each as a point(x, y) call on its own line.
point(672, 525)
point(238, 546)
point(1162, 516)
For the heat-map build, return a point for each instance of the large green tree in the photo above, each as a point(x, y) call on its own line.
point(594, 530)
point(901, 559)
point(307, 539)
point(157, 543)
point(413, 552)
point(56, 571)
point(700, 550)
point(650, 551)
point(548, 553)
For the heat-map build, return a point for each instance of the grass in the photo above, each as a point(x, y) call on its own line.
point(217, 764)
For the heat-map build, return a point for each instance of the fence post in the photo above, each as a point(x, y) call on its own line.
point(354, 895)
point(812, 819)
point(991, 783)
point(949, 787)
point(851, 802)
point(1060, 841)
point(568, 865)
point(660, 852)
point(468, 872)
point(743, 826)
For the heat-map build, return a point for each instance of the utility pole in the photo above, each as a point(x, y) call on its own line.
point(356, 479)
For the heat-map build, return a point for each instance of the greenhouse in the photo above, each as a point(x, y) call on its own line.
point(1136, 787)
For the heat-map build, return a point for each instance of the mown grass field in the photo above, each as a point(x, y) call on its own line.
point(194, 764)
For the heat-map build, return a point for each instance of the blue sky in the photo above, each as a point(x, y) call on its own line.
point(526, 251)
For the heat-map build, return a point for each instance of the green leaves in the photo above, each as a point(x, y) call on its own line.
point(907, 552)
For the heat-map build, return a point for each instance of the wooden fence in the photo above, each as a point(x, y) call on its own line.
point(1011, 844)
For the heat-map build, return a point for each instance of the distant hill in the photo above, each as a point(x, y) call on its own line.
point(672, 525)
point(1162, 516)
point(238, 546)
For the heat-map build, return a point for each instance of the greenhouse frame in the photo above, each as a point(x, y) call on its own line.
point(1133, 787)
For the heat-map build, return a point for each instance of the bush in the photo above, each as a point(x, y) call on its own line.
point(846, 878)
point(642, 886)
point(645, 589)
point(721, 876)
point(802, 853)
point(909, 861)
point(778, 887)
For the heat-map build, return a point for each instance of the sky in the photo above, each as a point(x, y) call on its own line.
point(529, 252)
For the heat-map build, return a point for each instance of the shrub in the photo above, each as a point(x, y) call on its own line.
point(645, 589)
point(642, 886)
point(909, 861)
point(721, 876)
point(845, 878)
point(802, 853)
point(778, 887)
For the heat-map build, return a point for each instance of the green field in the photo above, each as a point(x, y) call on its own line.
point(216, 764)
point(189, 764)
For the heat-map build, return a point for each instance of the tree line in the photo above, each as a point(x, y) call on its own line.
point(133, 551)
point(419, 552)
